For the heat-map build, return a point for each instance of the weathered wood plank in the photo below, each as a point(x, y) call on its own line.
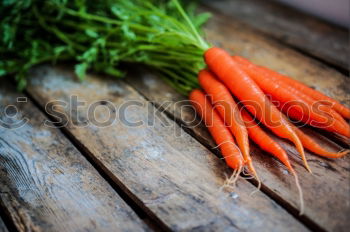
point(328, 175)
point(164, 170)
point(46, 184)
point(325, 192)
point(290, 26)
point(3, 228)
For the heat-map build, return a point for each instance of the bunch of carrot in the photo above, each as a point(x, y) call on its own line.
point(265, 95)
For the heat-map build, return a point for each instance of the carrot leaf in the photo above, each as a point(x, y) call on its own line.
point(98, 35)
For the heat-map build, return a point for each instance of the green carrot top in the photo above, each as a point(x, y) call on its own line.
point(98, 35)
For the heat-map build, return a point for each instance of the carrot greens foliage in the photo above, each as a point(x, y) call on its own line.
point(98, 35)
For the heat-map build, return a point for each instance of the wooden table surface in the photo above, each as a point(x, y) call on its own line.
point(165, 174)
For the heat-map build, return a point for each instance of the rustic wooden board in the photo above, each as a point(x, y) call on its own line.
point(295, 28)
point(325, 192)
point(46, 184)
point(3, 228)
point(328, 175)
point(251, 44)
point(167, 172)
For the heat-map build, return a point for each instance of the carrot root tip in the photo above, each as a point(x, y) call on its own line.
point(255, 175)
point(230, 182)
point(301, 151)
point(343, 152)
point(300, 190)
point(308, 168)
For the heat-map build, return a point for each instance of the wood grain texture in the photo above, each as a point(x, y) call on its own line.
point(2, 226)
point(46, 184)
point(290, 26)
point(166, 171)
point(325, 192)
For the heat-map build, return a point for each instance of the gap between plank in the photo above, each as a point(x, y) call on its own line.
point(146, 216)
point(6, 218)
point(279, 200)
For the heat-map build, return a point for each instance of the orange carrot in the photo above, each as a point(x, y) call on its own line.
point(265, 142)
point(313, 146)
point(223, 102)
point(307, 141)
point(291, 112)
point(279, 92)
point(217, 129)
point(344, 111)
point(311, 101)
point(244, 88)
